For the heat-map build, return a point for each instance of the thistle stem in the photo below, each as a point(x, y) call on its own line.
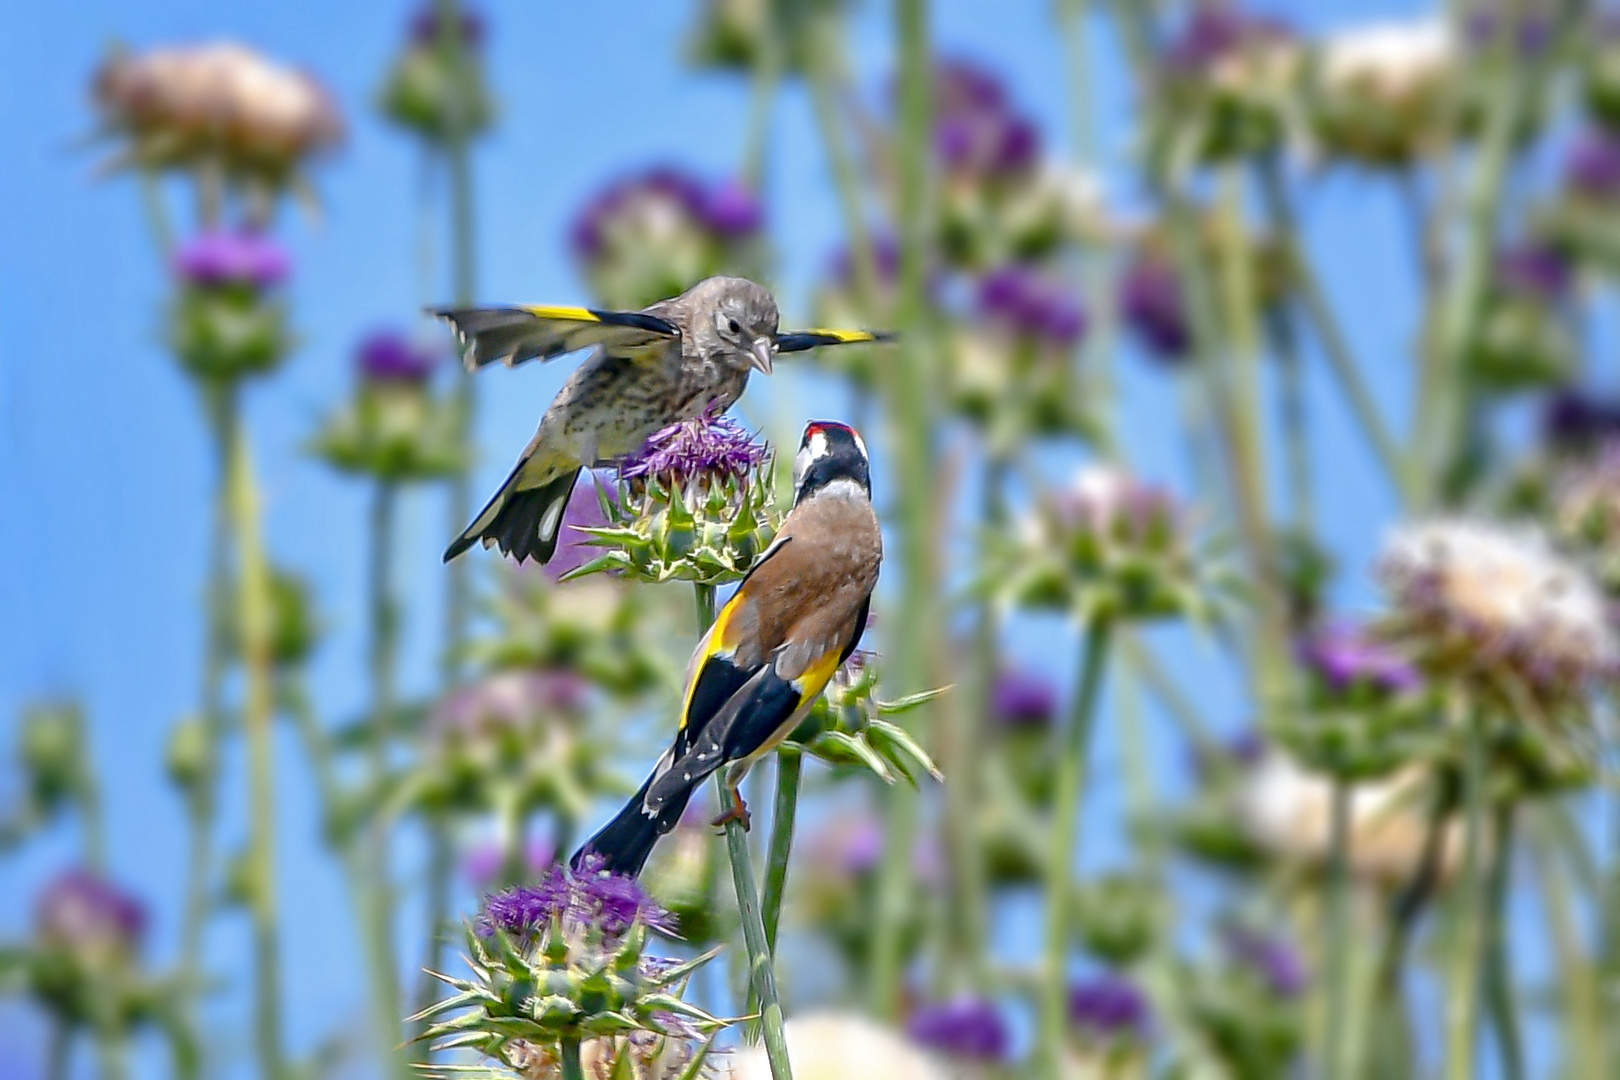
point(572, 1069)
point(761, 969)
point(1314, 300)
point(253, 599)
point(60, 1060)
point(379, 962)
point(910, 390)
point(458, 160)
point(377, 879)
point(1499, 998)
point(789, 768)
point(1072, 762)
point(1336, 1065)
point(1463, 993)
point(220, 401)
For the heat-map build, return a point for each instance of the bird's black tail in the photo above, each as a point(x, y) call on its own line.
point(524, 523)
point(625, 842)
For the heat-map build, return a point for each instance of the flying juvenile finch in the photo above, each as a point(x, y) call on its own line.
point(796, 617)
point(672, 361)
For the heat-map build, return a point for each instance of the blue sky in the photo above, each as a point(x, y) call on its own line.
point(104, 478)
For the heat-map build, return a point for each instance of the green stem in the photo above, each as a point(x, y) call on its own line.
point(789, 768)
point(377, 879)
point(1070, 783)
point(767, 75)
point(111, 1052)
point(1499, 998)
point(1180, 707)
point(253, 599)
point(1444, 404)
point(1463, 992)
point(441, 856)
point(356, 866)
point(963, 951)
point(910, 389)
point(1097, 353)
point(1337, 942)
point(761, 970)
point(571, 1067)
point(61, 1050)
point(846, 179)
point(220, 401)
point(458, 158)
point(1582, 1012)
point(1318, 308)
point(1295, 427)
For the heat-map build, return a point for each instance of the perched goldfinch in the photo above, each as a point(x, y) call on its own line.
point(672, 361)
point(795, 618)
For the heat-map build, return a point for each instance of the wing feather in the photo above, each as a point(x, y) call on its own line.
point(800, 340)
point(514, 334)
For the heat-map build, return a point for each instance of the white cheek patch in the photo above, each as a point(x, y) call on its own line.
point(801, 462)
point(860, 443)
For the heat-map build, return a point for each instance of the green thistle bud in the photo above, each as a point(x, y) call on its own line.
point(1108, 546)
point(694, 504)
point(564, 961)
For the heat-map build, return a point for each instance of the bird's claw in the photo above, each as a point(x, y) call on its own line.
point(738, 812)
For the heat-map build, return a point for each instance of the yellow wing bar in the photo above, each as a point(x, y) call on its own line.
point(800, 340)
point(513, 334)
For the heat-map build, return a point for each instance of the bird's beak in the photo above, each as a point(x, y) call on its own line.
point(761, 353)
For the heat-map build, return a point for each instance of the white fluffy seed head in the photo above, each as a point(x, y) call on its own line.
point(1390, 62)
point(1289, 812)
point(1490, 596)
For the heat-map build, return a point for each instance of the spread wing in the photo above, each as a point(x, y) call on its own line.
point(515, 334)
point(800, 340)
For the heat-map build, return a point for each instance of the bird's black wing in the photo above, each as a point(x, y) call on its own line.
point(800, 340)
point(515, 334)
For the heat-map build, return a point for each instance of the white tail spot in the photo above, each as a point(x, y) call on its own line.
point(553, 514)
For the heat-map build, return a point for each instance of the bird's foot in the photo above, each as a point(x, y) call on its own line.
point(738, 812)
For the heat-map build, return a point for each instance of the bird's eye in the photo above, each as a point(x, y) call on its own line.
point(735, 329)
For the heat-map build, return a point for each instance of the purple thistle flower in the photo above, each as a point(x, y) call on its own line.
point(1528, 32)
point(1592, 168)
point(1537, 271)
point(731, 210)
point(81, 909)
point(713, 447)
point(885, 260)
point(966, 1028)
point(974, 129)
point(1022, 699)
point(1152, 305)
point(962, 86)
point(610, 902)
point(850, 846)
point(1108, 1007)
point(1214, 31)
point(1032, 305)
point(232, 258)
point(1573, 418)
point(1273, 959)
point(508, 699)
point(388, 356)
point(1345, 656)
point(426, 22)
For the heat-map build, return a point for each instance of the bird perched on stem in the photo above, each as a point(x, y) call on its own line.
point(795, 618)
point(675, 360)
